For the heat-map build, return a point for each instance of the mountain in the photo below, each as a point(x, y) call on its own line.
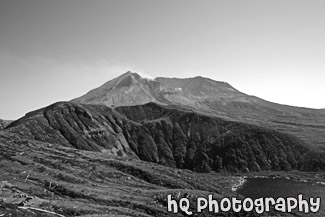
point(123, 147)
point(127, 89)
point(213, 98)
point(131, 89)
point(177, 138)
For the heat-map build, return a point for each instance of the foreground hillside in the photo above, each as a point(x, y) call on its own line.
point(168, 136)
point(44, 179)
point(38, 177)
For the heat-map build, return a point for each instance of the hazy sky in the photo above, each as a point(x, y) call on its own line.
point(56, 50)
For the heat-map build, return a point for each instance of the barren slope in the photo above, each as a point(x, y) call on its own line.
point(214, 98)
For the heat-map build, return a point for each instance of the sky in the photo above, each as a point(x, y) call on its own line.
point(58, 50)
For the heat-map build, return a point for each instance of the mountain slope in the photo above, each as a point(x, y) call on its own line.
point(214, 98)
point(168, 136)
point(127, 89)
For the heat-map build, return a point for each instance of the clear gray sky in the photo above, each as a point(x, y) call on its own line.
point(55, 50)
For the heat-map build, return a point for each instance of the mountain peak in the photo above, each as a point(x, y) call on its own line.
point(132, 89)
point(127, 89)
point(129, 74)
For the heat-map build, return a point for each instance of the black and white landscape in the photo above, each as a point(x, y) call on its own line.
point(86, 129)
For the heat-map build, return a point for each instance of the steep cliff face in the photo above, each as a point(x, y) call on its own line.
point(168, 136)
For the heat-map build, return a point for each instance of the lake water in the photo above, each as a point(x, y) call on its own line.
point(281, 187)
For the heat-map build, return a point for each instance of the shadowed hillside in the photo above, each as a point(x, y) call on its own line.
point(168, 136)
